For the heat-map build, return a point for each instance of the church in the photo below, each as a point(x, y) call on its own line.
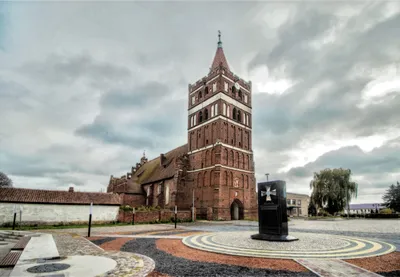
point(214, 171)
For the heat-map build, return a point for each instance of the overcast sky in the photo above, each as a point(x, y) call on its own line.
point(86, 87)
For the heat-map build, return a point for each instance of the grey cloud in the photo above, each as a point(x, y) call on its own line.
point(334, 106)
point(377, 162)
point(66, 69)
point(136, 97)
point(112, 134)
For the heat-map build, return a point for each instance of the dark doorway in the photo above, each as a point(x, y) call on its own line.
point(237, 210)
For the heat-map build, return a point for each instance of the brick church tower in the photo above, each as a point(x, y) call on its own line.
point(220, 152)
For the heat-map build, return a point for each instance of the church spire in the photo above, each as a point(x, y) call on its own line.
point(219, 58)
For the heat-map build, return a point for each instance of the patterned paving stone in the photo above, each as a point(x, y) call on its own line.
point(309, 246)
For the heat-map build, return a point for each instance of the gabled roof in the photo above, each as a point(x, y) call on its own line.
point(153, 171)
point(23, 195)
point(219, 57)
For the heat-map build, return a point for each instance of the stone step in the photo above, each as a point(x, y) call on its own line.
point(40, 247)
point(335, 268)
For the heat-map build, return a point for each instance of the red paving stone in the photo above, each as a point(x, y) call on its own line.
point(385, 263)
point(115, 245)
point(178, 249)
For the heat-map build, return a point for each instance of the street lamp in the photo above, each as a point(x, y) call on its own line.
point(267, 176)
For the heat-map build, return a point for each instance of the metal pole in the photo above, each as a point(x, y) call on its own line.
point(20, 217)
point(193, 207)
point(176, 213)
point(90, 219)
point(133, 216)
point(15, 216)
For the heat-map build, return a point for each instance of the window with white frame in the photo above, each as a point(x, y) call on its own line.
point(224, 109)
point(214, 87)
point(193, 99)
point(216, 109)
point(166, 195)
point(212, 111)
point(226, 86)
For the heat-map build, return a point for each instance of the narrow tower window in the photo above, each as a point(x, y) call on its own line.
point(224, 109)
point(205, 114)
point(212, 111)
point(200, 95)
point(239, 116)
point(206, 90)
point(216, 109)
point(234, 113)
point(240, 93)
point(200, 116)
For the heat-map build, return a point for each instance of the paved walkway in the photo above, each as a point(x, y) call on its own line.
point(76, 256)
point(334, 268)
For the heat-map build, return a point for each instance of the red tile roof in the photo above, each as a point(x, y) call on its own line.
point(22, 195)
point(168, 169)
point(220, 58)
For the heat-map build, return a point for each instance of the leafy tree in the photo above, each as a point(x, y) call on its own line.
point(332, 189)
point(312, 211)
point(392, 197)
point(5, 181)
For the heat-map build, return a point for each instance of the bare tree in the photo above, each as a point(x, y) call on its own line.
point(5, 181)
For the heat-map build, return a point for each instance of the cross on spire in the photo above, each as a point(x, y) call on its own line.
point(219, 39)
point(219, 58)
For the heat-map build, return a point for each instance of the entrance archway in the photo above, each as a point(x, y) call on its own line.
point(237, 210)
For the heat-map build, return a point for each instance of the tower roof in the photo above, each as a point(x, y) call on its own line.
point(219, 57)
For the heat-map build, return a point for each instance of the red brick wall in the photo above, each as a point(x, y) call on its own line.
point(133, 200)
point(153, 216)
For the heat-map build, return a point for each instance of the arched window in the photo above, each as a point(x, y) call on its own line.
point(234, 113)
point(239, 116)
point(205, 114)
point(206, 91)
point(240, 93)
point(200, 95)
point(200, 116)
point(233, 90)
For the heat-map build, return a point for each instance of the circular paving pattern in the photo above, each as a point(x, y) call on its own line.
point(309, 245)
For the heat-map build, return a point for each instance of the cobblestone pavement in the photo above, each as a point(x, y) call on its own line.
point(379, 229)
point(128, 264)
point(112, 230)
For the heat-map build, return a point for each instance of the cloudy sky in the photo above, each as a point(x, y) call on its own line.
point(86, 87)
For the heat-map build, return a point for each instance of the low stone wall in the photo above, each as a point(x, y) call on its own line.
point(154, 216)
point(50, 214)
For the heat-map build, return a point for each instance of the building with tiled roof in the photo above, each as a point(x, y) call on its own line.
point(214, 171)
point(38, 196)
point(36, 206)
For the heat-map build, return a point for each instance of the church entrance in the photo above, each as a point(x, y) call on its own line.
point(237, 210)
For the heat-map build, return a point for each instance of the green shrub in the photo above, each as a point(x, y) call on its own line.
point(385, 211)
point(382, 216)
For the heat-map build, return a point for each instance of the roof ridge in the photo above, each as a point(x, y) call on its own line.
point(54, 190)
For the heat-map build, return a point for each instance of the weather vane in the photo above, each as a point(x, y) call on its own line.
point(219, 36)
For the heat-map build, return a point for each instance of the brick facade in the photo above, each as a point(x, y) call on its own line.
point(215, 169)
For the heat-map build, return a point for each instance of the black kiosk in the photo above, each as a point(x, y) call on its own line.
point(272, 217)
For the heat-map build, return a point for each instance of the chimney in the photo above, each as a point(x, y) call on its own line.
point(162, 159)
point(71, 189)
